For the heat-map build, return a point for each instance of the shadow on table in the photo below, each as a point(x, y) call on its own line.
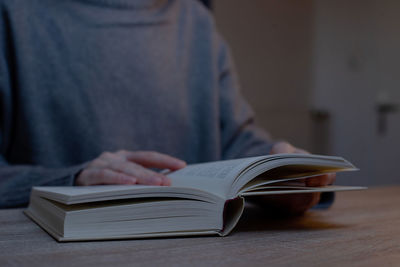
point(255, 218)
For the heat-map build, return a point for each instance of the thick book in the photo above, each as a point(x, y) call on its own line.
point(204, 199)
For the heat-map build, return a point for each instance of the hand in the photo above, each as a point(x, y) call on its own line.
point(127, 167)
point(294, 204)
point(322, 180)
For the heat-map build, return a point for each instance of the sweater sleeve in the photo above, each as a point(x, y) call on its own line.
point(241, 137)
point(17, 180)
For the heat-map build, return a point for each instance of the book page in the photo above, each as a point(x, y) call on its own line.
point(280, 190)
point(282, 167)
point(84, 194)
point(216, 177)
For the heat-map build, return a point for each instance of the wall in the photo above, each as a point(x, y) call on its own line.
point(338, 57)
point(356, 66)
point(271, 43)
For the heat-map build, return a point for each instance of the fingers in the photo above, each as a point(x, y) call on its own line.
point(104, 176)
point(285, 147)
point(322, 180)
point(282, 147)
point(121, 161)
point(297, 204)
point(143, 176)
point(126, 167)
point(151, 159)
point(300, 151)
point(303, 202)
point(290, 204)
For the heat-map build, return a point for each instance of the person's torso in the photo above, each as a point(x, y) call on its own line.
point(90, 78)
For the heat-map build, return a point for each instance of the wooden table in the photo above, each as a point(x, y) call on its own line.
point(361, 229)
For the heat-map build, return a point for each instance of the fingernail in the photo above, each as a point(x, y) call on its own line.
point(157, 181)
point(166, 181)
point(181, 163)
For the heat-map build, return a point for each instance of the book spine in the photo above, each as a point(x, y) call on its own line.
point(233, 209)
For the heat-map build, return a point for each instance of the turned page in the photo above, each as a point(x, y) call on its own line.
point(215, 177)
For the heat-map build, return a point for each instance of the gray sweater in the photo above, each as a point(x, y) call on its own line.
point(79, 77)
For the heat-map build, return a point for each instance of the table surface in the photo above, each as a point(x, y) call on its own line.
point(362, 228)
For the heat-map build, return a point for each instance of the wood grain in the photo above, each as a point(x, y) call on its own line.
point(361, 229)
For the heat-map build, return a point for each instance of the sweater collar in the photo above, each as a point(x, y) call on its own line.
point(122, 12)
point(132, 4)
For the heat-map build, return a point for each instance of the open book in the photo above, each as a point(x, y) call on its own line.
point(206, 198)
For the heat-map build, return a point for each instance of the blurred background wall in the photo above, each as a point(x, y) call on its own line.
point(324, 75)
